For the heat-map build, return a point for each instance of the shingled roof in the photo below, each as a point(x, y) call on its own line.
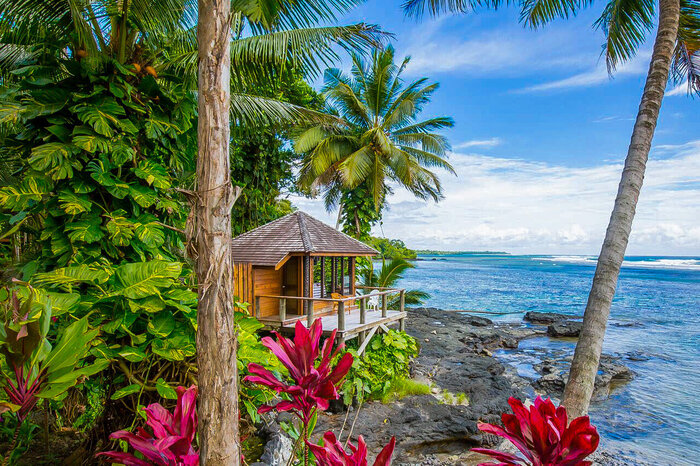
point(295, 233)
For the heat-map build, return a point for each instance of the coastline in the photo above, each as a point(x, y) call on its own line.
point(459, 354)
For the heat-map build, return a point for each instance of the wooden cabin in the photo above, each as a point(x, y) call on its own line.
point(297, 267)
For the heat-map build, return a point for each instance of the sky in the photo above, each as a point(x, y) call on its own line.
point(541, 133)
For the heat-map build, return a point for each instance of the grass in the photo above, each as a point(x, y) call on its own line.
point(401, 388)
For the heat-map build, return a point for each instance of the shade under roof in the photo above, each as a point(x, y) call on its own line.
point(295, 233)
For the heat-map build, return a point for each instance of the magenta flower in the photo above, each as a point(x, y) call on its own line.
point(543, 436)
point(314, 385)
point(170, 444)
point(332, 452)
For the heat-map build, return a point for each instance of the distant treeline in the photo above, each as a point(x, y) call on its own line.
point(430, 252)
point(391, 248)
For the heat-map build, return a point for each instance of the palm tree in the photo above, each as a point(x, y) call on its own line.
point(378, 140)
point(676, 52)
point(387, 277)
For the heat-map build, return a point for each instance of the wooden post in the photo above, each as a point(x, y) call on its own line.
point(402, 301)
point(310, 313)
point(384, 304)
point(363, 310)
point(402, 325)
point(341, 316)
point(256, 311)
point(323, 277)
point(342, 277)
point(351, 274)
point(283, 310)
point(305, 284)
point(334, 274)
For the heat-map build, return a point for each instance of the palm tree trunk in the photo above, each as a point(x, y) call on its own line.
point(584, 366)
point(216, 333)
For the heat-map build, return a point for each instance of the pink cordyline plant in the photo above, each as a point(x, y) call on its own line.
point(543, 435)
point(314, 385)
point(332, 453)
point(170, 444)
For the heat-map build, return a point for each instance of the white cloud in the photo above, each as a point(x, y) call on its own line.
point(485, 143)
point(512, 50)
point(681, 89)
point(531, 207)
point(596, 76)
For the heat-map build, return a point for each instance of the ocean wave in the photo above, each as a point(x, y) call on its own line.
point(656, 263)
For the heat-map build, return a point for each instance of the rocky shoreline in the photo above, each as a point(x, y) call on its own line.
point(457, 357)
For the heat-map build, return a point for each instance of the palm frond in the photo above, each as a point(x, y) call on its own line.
point(419, 8)
point(625, 24)
point(287, 14)
point(537, 13)
point(255, 111)
point(436, 145)
point(425, 126)
point(686, 57)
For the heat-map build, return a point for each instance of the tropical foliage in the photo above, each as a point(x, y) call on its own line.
point(33, 368)
point(391, 248)
point(171, 439)
point(104, 149)
point(543, 435)
point(378, 140)
point(333, 453)
point(386, 359)
point(315, 375)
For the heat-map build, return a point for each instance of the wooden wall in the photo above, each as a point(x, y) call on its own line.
point(267, 281)
point(243, 282)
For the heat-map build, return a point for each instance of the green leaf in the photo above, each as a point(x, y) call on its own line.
point(73, 275)
point(143, 196)
point(165, 390)
point(151, 234)
point(162, 324)
point(87, 231)
point(73, 204)
point(143, 279)
point(18, 197)
point(91, 143)
point(120, 230)
point(102, 115)
point(53, 158)
point(152, 173)
point(126, 391)
point(132, 354)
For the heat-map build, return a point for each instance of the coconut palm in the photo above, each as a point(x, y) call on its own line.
point(626, 24)
point(387, 277)
point(379, 140)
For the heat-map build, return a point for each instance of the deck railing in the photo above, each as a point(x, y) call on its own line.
point(380, 292)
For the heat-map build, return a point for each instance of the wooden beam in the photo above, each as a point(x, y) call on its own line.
point(323, 277)
point(364, 344)
point(341, 316)
point(283, 310)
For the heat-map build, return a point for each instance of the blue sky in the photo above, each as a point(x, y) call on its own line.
point(540, 135)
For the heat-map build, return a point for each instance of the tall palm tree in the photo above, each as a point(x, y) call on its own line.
point(387, 277)
point(379, 140)
point(626, 24)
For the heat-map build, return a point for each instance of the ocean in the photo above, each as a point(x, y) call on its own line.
point(654, 326)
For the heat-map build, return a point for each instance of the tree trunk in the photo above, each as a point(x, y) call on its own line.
point(216, 332)
point(584, 366)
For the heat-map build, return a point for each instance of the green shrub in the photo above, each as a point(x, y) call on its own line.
point(401, 388)
point(386, 359)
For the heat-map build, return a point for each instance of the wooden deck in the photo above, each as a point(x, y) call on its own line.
point(351, 316)
point(353, 326)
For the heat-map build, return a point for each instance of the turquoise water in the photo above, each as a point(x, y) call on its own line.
point(654, 325)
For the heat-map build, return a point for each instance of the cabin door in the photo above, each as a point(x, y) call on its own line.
point(291, 284)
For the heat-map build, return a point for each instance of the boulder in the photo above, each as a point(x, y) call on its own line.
point(565, 328)
point(543, 318)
